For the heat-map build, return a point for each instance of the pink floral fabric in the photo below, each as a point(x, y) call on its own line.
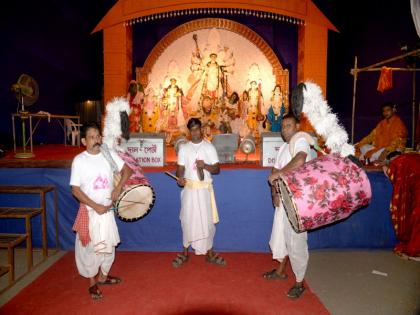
point(327, 189)
point(137, 178)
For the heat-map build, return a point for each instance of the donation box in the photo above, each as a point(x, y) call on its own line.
point(147, 148)
point(270, 144)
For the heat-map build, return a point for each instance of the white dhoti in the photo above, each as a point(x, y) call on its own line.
point(198, 216)
point(100, 252)
point(285, 241)
point(367, 147)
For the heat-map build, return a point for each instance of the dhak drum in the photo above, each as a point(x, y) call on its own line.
point(138, 196)
point(322, 191)
point(135, 202)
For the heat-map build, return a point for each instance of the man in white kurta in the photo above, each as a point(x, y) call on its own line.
point(92, 184)
point(285, 242)
point(197, 160)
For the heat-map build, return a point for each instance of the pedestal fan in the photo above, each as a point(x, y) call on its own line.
point(26, 92)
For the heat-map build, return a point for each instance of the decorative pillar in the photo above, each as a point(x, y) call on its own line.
point(312, 54)
point(118, 62)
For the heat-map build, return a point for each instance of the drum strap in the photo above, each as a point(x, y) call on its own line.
point(107, 155)
point(192, 184)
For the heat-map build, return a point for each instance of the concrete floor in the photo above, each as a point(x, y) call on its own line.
point(343, 280)
point(346, 283)
point(6, 293)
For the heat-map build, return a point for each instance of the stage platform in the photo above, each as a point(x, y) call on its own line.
point(243, 199)
point(61, 156)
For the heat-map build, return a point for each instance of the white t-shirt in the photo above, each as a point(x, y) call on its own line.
point(93, 174)
point(283, 154)
point(190, 152)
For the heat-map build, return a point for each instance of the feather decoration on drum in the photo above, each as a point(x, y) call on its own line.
point(116, 118)
point(138, 197)
point(307, 98)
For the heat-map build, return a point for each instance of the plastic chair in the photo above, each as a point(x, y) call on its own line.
point(72, 130)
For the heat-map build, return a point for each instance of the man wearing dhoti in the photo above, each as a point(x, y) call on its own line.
point(197, 160)
point(97, 233)
point(285, 242)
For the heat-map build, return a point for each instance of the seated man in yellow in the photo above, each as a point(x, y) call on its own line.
point(389, 135)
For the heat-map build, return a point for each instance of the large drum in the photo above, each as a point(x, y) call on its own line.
point(135, 202)
point(322, 191)
point(138, 196)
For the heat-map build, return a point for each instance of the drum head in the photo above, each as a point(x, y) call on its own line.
point(288, 203)
point(135, 202)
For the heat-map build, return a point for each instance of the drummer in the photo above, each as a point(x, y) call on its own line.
point(197, 161)
point(97, 233)
point(285, 242)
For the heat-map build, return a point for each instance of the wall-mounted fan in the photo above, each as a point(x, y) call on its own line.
point(26, 91)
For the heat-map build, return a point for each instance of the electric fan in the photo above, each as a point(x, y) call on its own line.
point(26, 91)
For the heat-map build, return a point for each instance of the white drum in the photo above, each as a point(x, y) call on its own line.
point(135, 202)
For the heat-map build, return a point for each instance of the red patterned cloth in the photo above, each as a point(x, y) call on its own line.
point(81, 225)
point(404, 173)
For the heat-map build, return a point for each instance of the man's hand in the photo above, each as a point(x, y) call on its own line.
point(101, 209)
point(83, 198)
point(200, 164)
point(116, 193)
point(273, 176)
point(181, 181)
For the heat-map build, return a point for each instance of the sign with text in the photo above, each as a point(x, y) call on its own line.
point(270, 144)
point(147, 150)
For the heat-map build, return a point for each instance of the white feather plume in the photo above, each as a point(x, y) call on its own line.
point(324, 121)
point(112, 125)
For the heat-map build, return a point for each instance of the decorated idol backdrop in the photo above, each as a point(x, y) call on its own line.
point(212, 62)
point(228, 76)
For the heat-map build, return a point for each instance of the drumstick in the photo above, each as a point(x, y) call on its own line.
point(171, 175)
point(131, 201)
point(119, 208)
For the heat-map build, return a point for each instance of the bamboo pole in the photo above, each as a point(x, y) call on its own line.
point(386, 61)
point(394, 69)
point(355, 71)
point(354, 99)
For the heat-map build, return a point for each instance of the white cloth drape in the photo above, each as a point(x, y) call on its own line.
point(196, 217)
point(415, 11)
point(285, 241)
